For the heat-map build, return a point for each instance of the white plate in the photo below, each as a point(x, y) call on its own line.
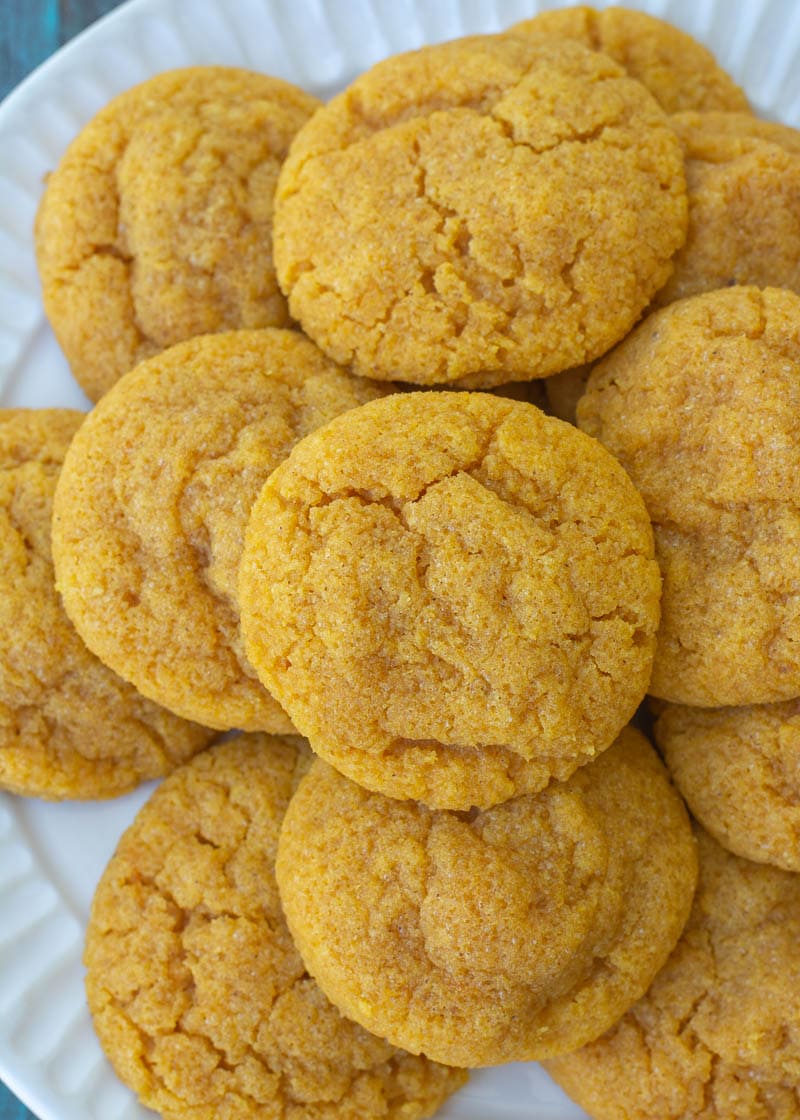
point(51, 855)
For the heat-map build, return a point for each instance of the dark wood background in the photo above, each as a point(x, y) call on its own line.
point(30, 31)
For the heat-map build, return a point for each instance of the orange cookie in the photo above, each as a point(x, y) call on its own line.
point(198, 995)
point(717, 1037)
point(69, 727)
point(505, 935)
point(700, 406)
point(486, 210)
point(679, 72)
point(453, 596)
point(739, 770)
point(157, 224)
point(743, 176)
point(152, 505)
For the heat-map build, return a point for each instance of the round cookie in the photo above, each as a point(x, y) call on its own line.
point(157, 224)
point(505, 935)
point(197, 993)
point(69, 727)
point(743, 176)
point(700, 406)
point(453, 596)
point(716, 1036)
point(152, 504)
point(487, 210)
point(679, 72)
point(739, 771)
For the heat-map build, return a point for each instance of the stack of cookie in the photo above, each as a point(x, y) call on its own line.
point(266, 525)
point(460, 626)
point(699, 403)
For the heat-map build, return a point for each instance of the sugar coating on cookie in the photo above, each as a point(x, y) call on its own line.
point(743, 178)
point(197, 993)
point(680, 72)
point(486, 210)
point(157, 224)
point(739, 771)
point(716, 1037)
point(700, 406)
point(69, 727)
point(453, 595)
point(503, 935)
point(152, 504)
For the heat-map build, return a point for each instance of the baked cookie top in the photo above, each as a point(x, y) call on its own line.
point(453, 596)
point(197, 992)
point(157, 224)
point(743, 176)
point(700, 406)
point(501, 935)
point(715, 1038)
point(69, 727)
point(153, 501)
point(679, 72)
point(492, 209)
point(739, 771)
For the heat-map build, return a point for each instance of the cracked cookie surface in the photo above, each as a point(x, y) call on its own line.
point(157, 224)
point(679, 72)
point(482, 211)
point(700, 406)
point(453, 595)
point(197, 992)
point(716, 1036)
point(69, 727)
point(743, 181)
point(743, 178)
point(500, 935)
point(739, 771)
point(152, 504)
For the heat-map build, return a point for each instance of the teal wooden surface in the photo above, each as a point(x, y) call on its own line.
point(11, 1108)
point(30, 31)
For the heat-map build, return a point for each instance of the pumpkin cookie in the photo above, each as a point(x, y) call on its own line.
point(487, 210)
point(505, 935)
point(153, 501)
point(452, 595)
point(157, 224)
point(716, 1036)
point(69, 728)
point(679, 72)
point(739, 770)
point(198, 995)
point(700, 405)
point(743, 176)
